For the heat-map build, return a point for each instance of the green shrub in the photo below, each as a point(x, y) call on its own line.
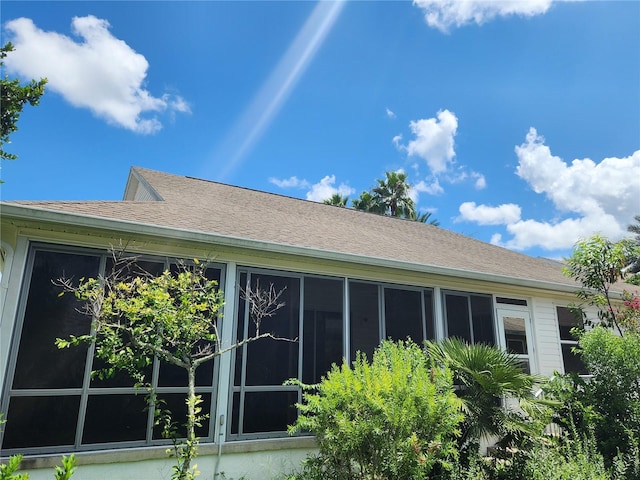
point(614, 388)
point(394, 418)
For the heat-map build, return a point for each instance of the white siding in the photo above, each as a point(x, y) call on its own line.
point(547, 336)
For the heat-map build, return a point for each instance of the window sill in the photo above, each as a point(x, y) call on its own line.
point(125, 455)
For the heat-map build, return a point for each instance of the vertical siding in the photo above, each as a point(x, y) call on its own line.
point(547, 336)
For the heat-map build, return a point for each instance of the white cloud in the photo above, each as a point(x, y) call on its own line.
point(390, 114)
point(444, 14)
point(433, 188)
point(324, 189)
point(433, 140)
point(561, 235)
point(485, 215)
point(584, 186)
point(591, 197)
point(101, 72)
point(291, 182)
point(481, 182)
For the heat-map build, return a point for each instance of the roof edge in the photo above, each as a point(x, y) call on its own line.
point(83, 220)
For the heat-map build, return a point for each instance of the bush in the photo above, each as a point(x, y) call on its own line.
point(614, 388)
point(396, 417)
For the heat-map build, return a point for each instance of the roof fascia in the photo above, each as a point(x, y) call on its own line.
point(28, 212)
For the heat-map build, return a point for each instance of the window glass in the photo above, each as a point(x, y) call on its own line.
point(428, 315)
point(48, 316)
point(566, 321)
point(323, 320)
point(175, 403)
point(41, 421)
point(364, 318)
point(269, 411)
point(482, 316)
point(115, 418)
point(269, 361)
point(457, 313)
point(515, 334)
point(403, 314)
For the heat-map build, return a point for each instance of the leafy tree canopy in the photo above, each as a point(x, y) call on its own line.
point(13, 98)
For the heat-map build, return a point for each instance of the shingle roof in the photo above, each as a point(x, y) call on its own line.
point(214, 208)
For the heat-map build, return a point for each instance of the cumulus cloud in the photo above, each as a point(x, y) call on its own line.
point(100, 72)
point(291, 182)
point(432, 188)
point(445, 14)
point(325, 189)
point(485, 215)
point(434, 140)
point(390, 114)
point(590, 197)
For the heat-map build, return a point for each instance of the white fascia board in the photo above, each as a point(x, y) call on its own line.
point(29, 212)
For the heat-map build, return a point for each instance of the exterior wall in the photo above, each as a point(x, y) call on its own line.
point(252, 459)
point(545, 326)
point(247, 465)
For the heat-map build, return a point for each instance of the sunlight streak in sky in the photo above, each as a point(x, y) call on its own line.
point(252, 124)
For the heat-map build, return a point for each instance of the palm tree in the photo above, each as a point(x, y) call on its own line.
point(337, 199)
point(485, 374)
point(425, 217)
point(393, 194)
point(367, 203)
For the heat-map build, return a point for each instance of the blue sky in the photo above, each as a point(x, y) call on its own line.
point(518, 122)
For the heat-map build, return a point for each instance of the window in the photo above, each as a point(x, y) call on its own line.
point(469, 317)
point(566, 321)
point(51, 402)
point(406, 313)
point(314, 314)
point(312, 321)
point(515, 325)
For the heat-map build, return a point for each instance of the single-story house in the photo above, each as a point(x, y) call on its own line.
point(352, 278)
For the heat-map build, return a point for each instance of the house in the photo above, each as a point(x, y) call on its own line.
point(352, 278)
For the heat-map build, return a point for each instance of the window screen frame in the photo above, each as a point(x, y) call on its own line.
point(86, 390)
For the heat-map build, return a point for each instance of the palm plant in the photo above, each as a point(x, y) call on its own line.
point(485, 375)
point(425, 217)
point(337, 199)
point(368, 203)
point(393, 194)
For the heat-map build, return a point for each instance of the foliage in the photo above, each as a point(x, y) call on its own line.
point(392, 193)
point(597, 264)
point(391, 196)
point(13, 98)
point(396, 417)
point(614, 388)
point(173, 317)
point(576, 459)
point(61, 472)
point(337, 199)
point(634, 264)
point(486, 375)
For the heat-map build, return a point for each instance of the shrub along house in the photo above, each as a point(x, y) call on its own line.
point(351, 278)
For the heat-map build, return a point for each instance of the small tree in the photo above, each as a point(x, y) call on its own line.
point(173, 317)
point(597, 264)
point(13, 97)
